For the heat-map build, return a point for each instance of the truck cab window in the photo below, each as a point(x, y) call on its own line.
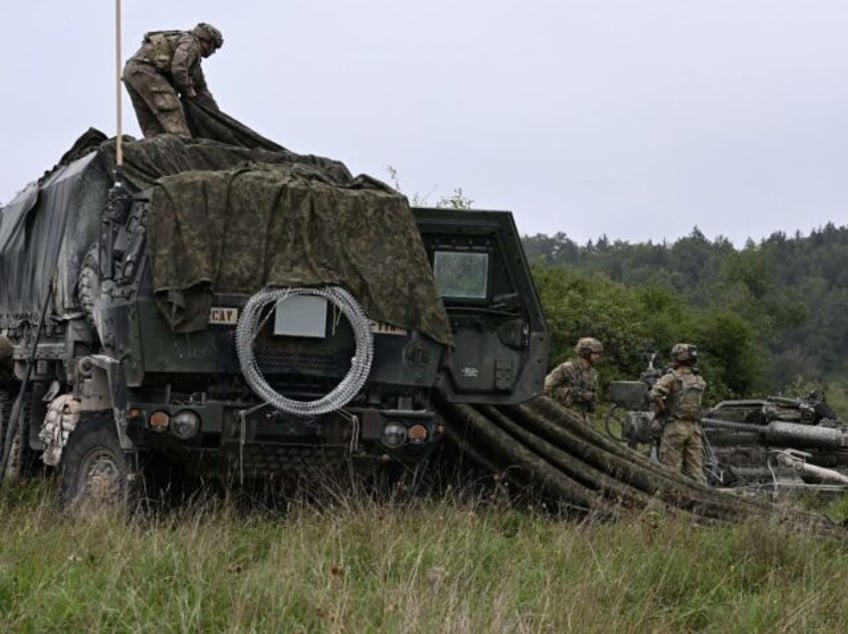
point(462, 274)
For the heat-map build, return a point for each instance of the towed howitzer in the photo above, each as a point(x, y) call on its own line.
point(776, 439)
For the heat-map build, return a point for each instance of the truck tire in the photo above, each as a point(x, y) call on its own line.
point(95, 471)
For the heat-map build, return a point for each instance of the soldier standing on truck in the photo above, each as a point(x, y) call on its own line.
point(574, 384)
point(677, 397)
point(165, 69)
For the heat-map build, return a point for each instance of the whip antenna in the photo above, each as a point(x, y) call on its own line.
point(119, 158)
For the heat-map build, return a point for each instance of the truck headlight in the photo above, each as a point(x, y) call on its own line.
point(394, 435)
point(418, 434)
point(185, 424)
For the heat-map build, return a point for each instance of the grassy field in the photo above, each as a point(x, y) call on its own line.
point(434, 566)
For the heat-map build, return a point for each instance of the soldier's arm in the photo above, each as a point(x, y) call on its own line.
point(593, 390)
point(583, 386)
point(557, 384)
point(660, 391)
point(553, 380)
point(186, 54)
point(204, 95)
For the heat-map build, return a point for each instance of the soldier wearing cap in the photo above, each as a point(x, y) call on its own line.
point(677, 399)
point(166, 68)
point(574, 384)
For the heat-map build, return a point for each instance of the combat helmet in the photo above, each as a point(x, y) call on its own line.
point(684, 353)
point(209, 33)
point(587, 345)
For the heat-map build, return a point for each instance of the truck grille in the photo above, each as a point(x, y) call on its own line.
point(289, 459)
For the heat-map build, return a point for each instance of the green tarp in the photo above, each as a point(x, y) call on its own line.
point(236, 231)
point(233, 212)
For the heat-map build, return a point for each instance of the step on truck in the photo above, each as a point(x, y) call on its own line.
point(216, 311)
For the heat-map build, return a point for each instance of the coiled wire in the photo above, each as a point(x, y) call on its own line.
point(254, 316)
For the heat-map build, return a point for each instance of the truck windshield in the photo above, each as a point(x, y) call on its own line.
point(462, 274)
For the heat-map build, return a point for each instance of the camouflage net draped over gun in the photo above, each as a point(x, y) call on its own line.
point(544, 446)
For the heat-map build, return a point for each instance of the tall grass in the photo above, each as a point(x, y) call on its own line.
point(356, 565)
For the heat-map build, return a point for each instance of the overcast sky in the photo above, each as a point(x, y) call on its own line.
point(635, 119)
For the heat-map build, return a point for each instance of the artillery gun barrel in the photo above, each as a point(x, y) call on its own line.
point(796, 463)
point(797, 435)
point(786, 434)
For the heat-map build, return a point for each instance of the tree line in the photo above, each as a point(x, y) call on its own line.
point(771, 317)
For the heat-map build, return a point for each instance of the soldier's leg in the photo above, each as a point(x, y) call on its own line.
point(693, 457)
point(147, 121)
point(160, 101)
point(170, 112)
point(671, 446)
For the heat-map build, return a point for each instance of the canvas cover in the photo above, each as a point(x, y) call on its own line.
point(238, 230)
point(44, 232)
point(230, 213)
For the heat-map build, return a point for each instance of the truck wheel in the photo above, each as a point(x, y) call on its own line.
point(95, 470)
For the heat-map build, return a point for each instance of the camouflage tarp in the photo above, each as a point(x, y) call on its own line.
point(215, 125)
point(238, 230)
point(146, 160)
point(44, 232)
point(290, 218)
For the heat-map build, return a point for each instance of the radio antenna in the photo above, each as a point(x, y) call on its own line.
point(119, 157)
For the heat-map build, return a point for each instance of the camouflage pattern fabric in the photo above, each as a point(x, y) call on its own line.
point(332, 227)
point(682, 448)
point(213, 124)
point(682, 443)
point(166, 67)
point(236, 231)
point(669, 388)
point(146, 160)
point(156, 104)
point(573, 387)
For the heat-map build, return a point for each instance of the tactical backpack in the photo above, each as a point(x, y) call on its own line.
point(688, 393)
point(162, 46)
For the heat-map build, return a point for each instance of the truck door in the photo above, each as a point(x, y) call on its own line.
point(500, 336)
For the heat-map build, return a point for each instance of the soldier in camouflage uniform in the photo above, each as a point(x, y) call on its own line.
point(165, 68)
point(677, 399)
point(574, 384)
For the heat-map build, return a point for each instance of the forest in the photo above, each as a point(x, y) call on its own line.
point(768, 318)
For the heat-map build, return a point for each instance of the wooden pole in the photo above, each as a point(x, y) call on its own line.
point(119, 158)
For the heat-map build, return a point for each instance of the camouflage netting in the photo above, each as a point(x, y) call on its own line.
point(544, 447)
point(232, 212)
point(237, 213)
point(238, 230)
point(147, 160)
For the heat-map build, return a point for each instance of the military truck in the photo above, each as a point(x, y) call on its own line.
point(220, 311)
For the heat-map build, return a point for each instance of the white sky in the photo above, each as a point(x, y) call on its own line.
point(638, 119)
